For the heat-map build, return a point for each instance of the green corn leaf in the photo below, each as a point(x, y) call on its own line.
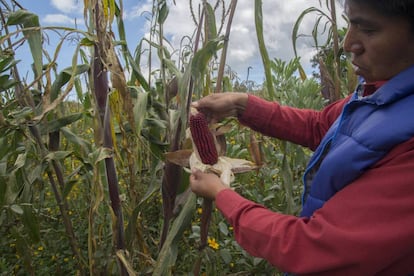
point(6, 82)
point(121, 32)
point(32, 32)
point(64, 77)
point(17, 209)
point(295, 31)
point(57, 155)
point(7, 63)
point(203, 56)
point(105, 8)
point(68, 187)
point(163, 11)
point(210, 22)
point(223, 228)
point(36, 173)
point(109, 10)
point(136, 72)
point(168, 254)
point(31, 223)
point(112, 10)
point(55, 125)
point(73, 138)
point(226, 255)
point(171, 66)
point(140, 110)
point(23, 250)
point(3, 191)
point(302, 72)
point(99, 155)
point(87, 42)
point(20, 161)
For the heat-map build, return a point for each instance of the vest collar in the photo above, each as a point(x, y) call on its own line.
point(396, 88)
point(371, 87)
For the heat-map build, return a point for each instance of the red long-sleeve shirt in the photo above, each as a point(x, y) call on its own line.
point(367, 228)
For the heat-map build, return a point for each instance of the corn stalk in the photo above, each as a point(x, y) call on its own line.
point(194, 80)
point(258, 19)
point(104, 62)
point(172, 173)
point(222, 65)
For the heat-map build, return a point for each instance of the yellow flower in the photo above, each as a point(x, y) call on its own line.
point(40, 248)
point(212, 243)
point(199, 211)
point(66, 260)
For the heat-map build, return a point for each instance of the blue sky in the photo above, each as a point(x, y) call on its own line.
point(69, 13)
point(279, 17)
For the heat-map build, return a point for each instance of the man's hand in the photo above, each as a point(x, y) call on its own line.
point(207, 185)
point(218, 106)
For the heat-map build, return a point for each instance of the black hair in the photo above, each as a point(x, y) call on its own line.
point(390, 8)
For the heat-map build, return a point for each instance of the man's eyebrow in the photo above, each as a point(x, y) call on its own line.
point(361, 21)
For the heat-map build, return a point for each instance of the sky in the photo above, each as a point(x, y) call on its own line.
point(279, 17)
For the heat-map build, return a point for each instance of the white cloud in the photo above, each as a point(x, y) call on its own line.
point(59, 19)
point(138, 10)
point(68, 6)
point(279, 18)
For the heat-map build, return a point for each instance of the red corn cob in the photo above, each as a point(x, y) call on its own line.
point(203, 139)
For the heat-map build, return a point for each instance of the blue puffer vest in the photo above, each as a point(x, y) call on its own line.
point(367, 129)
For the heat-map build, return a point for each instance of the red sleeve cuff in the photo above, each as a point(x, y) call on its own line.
point(254, 110)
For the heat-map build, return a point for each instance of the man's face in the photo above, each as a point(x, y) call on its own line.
point(381, 47)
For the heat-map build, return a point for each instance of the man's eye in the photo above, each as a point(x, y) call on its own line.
point(367, 31)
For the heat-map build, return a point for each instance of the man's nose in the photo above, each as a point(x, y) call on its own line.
point(352, 44)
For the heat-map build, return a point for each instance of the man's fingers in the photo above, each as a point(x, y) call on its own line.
point(195, 173)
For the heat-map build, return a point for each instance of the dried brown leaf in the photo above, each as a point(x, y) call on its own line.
point(179, 157)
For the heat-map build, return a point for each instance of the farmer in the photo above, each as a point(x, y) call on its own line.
point(358, 201)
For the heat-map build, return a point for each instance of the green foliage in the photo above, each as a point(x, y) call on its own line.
point(6, 62)
point(31, 31)
point(335, 70)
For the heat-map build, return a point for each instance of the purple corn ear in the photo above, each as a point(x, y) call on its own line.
point(203, 139)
